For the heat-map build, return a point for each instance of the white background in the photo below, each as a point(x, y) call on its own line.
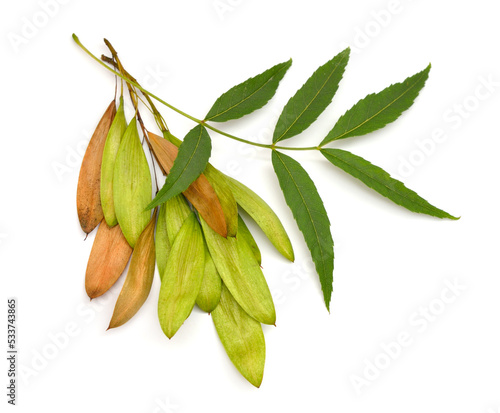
point(390, 264)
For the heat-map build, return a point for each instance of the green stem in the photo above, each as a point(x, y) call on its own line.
point(180, 112)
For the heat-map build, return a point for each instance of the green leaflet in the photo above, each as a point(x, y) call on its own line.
point(177, 210)
point(241, 273)
point(379, 180)
point(226, 198)
point(248, 96)
point(245, 233)
point(131, 185)
point(241, 336)
point(308, 210)
point(162, 242)
point(183, 276)
point(192, 159)
point(378, 109)
point(264, 216)
point(312, 98)
point(221, 187)
point(209, 295)
point(111, 147)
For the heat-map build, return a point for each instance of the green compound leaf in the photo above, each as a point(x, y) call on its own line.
point(379, 180)
point(378, 109)
point(308, 210)
point(248, 96)
point(311, 99)
point(193, 156)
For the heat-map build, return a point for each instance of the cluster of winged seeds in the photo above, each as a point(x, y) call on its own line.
point(205, 253)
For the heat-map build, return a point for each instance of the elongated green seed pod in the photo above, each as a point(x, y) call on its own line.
point(242, 338)
point(209, 295)
point(226, 198)
point(264, 216)
point(177, 211)
point(131, 185)
point(139, 279)
point(240, 272)
point(111, 147)
point(245, 233)
point(162, 242)
point(183, 276)
point(251, 270)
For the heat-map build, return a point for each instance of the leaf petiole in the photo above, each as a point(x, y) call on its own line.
point(180, 112)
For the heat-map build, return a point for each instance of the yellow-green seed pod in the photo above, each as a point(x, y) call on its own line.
point(162, 242)
point(131, 185)
point(177, 211)
point(226, 198)
point(245, 233)
point(264, 216)
point(139, 279)
point(242, 338)
point(209, 294)
point(111, 147)
point(183, 276)
point(240, 272)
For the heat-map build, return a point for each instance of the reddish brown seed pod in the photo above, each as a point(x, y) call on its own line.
point(108, 258)
point(88, 194)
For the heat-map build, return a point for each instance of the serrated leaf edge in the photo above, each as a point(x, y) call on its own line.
point(329, 150)
point(424, 73)
point(310, 218)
